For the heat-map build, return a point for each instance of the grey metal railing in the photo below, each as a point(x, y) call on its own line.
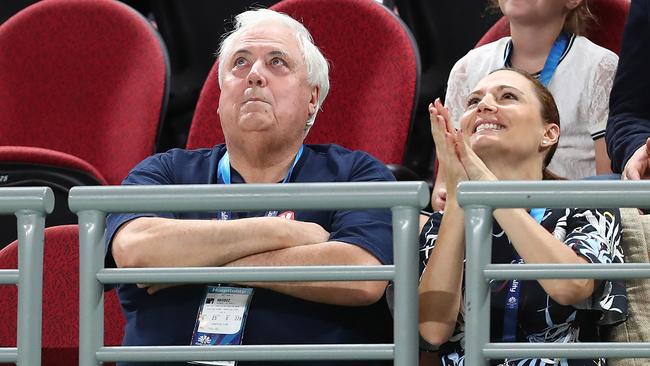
point(30, 205)
point(479, 199)
point(93, 203)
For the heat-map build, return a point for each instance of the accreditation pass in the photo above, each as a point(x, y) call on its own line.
point(221, 319)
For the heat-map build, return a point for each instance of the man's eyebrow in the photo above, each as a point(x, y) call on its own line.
point(242, 50)
point(279, 53)
point(272, 53)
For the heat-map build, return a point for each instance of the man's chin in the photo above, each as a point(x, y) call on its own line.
point(255, 124)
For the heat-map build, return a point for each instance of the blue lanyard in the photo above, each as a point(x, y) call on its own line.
point(552, 61)
point(511, 307)
point(223, 174)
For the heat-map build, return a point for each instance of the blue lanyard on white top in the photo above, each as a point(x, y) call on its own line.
point(553, 59)
point(223, 174)
point(511, 307)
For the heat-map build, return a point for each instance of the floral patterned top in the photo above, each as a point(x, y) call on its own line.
point(595, 235)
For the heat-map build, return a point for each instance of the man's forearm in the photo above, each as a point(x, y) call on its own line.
point(158, 242)
point(350, 293)
point(629, 103)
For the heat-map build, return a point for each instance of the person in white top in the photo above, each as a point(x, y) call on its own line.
point(580, 82)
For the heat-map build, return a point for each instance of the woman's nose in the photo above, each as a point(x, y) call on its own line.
point(486, 104)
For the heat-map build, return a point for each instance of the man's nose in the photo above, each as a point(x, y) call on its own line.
point(256, 75)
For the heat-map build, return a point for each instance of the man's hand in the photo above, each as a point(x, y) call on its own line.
point(152, 288)
point(303, 233)
point(638, 167)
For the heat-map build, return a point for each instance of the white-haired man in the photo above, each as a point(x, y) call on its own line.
point(273, 80)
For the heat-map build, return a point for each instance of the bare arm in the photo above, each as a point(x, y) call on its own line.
point(440, 290)
point(603, 164)
point(161, 242)
point(536, 245)
point(441, 283)
point(351, 293)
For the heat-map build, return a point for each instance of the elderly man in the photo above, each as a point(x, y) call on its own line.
point(273, 80)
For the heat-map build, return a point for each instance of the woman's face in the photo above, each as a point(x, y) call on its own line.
point(503, 119)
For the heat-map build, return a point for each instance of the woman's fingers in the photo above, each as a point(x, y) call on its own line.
point(473, 165)
point(444, 112)
point(433, 118)
point(461, 147)
point(445, 142)
point(448, 139)
point(437, 126)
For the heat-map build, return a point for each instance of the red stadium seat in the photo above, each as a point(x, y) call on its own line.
point(60, 339)
point(86, 78)
point(607, 32)
point(374, 79)
point(83, 89)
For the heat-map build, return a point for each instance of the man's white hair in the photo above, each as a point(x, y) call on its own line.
point(317, 67)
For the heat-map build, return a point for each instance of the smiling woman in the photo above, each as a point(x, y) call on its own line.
point(509, 131)
point(516, 109)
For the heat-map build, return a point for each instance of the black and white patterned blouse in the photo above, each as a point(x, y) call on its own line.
point(595, 235)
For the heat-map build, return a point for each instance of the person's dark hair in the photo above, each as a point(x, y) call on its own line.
point(548, 111)
point(577, 21)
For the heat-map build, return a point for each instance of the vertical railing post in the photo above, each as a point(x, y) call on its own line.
point(30, 286)
point(405, 252)
point(91, 291)
point(478, 249)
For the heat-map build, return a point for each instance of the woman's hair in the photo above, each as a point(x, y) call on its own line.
point(577, 21)
point(548, 112)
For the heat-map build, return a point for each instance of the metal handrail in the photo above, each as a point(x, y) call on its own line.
point(91, 204)
point(478, 200)
point(30, 205)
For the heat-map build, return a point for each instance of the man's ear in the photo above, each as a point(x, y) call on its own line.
point(313, 100)
point(551, 135)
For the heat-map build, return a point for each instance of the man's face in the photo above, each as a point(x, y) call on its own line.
point(264, 93)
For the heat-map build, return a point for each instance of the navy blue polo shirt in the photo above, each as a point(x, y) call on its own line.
point(168, 317)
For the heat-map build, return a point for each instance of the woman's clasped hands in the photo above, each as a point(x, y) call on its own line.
point(457, 160)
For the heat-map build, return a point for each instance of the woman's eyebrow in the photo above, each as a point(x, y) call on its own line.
point(498, 88)
point(501, 87)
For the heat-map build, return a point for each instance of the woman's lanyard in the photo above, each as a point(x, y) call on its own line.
point(511, 307)
point(223, 175)
point(552, 61)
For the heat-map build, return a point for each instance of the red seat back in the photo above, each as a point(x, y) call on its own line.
point(60, 340)
point(374, 73)
point(82, 77)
